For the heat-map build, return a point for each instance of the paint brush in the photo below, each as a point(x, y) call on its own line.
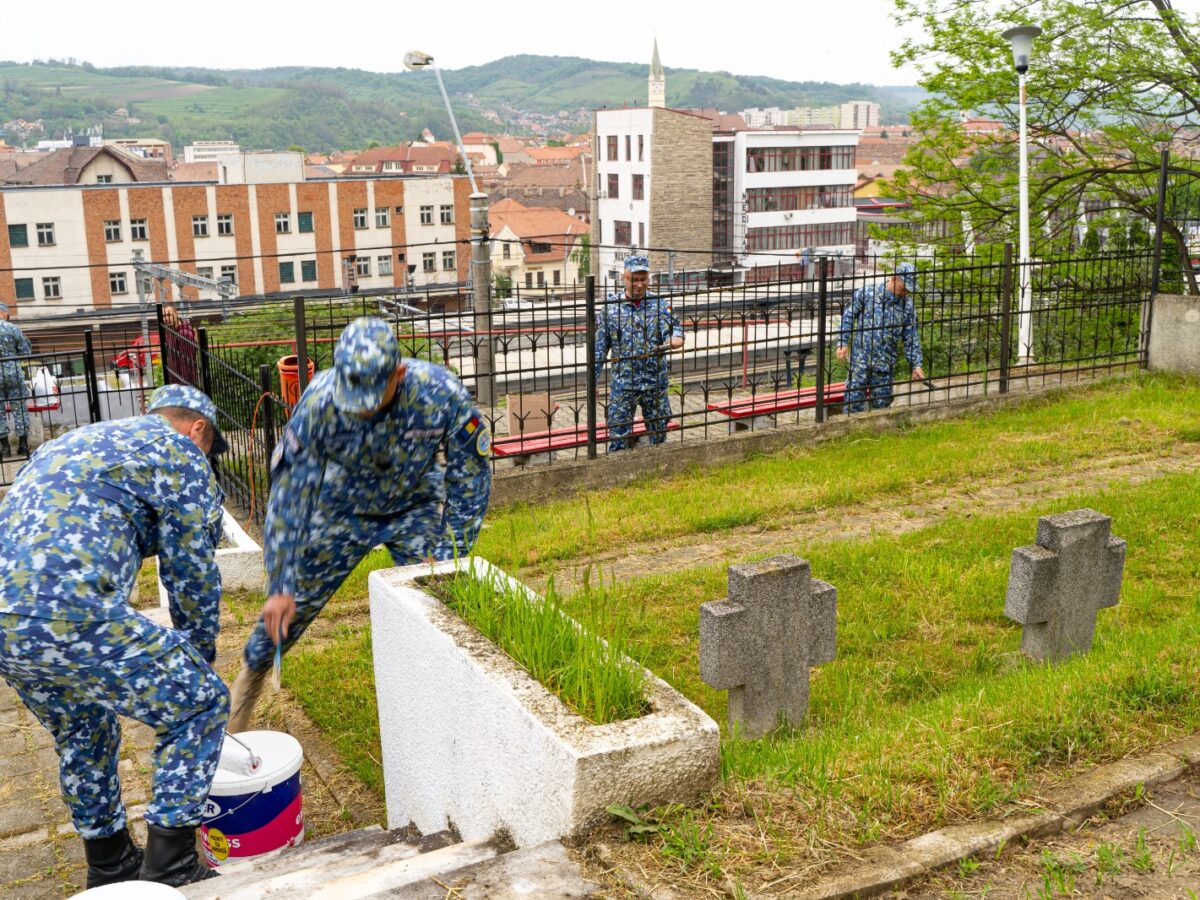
point(277, 671)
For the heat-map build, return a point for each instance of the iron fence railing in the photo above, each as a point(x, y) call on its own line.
point(757, 355)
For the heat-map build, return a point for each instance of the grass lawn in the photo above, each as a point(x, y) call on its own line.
point(929, 714)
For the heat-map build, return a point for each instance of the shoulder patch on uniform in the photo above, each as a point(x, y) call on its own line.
point(276, 456)
point(469, 428)
point(483, 443)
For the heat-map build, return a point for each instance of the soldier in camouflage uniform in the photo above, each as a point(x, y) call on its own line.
point(638, 328)
point(877, 319)
point(13, 391)
point(357, 466)
point(80, 518)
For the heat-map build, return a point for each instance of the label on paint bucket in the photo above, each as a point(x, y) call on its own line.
point(248, 814)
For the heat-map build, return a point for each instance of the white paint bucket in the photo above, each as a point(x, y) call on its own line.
point(256, 804)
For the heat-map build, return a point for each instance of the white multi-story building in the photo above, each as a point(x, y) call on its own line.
point(764, 118)
point(208, 151)
point(69, 247)
point(778, 194)
point(859, 114)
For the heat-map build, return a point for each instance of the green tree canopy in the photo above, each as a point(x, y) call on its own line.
point(1111, 84)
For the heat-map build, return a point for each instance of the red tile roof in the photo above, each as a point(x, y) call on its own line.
point(65, 166)
point(537, 225)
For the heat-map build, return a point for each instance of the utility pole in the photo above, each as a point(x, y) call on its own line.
point(146, 372)
point(481, 293)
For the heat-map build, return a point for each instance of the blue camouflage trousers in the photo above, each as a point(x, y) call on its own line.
point(77, 677)
point(339, 541)
point(14, 393)
point(865, 382)
point(622, 402)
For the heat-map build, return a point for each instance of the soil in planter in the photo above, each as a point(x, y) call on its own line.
point(593, 677)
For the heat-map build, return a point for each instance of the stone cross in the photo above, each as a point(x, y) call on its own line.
point(1056, 586)
point(760, 642)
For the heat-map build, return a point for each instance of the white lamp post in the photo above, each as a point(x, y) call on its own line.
point(415, 59)
point(1021, 39)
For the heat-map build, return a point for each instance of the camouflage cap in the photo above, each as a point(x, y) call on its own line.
point(637, 264)
point(908, 272)
point(185, 396)
point(364, 360)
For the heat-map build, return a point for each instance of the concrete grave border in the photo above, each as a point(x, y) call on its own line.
point(471, 741)
point(241, 565)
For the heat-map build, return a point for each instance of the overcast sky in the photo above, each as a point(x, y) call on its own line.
point(801, 40)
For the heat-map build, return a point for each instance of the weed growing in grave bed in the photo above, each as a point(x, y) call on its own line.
point(593, 677)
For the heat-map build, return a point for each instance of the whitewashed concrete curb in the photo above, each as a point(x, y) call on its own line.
point(241, 565)
point(471, 741)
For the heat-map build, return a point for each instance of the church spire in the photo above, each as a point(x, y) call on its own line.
point(657, 81)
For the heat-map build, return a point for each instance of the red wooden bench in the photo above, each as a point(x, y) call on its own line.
point(521, 446)
point(745, 413)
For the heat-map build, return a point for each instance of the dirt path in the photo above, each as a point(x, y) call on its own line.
point(889, 514)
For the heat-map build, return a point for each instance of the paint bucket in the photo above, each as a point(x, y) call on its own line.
point(255, 805)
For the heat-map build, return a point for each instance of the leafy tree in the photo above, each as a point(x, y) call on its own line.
point(582, 255)
point(1111, 84)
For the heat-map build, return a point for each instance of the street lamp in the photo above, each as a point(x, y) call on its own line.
point(1021, 39)
point(415, 59)
point(481, 255)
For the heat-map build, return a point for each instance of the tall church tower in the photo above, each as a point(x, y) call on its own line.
point(658, 82)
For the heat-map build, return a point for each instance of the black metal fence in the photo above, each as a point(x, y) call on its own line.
point(756, 355)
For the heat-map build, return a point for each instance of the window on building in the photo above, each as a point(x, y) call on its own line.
point(447, 214)
point(641, 147)
point(283, 223)
point(52, 288)
point(103, 179)
point(622, 233)
point(229, 274)
point(628, 145)
point(614, 187)
point(383, 217)
point(205, 272)
point(612, 146)
point(541, 278)
point(225, 224)
point(18, 235)
point(428, 262)
point(529, 275)
point(639, 187)
point(23, 288)
point(557, 277)
point(304, 222)
point(426, 215)
point(308, 270)
point(448, 260)
point(507, 251)
point(199, 226)
point(384, 265)
point(112, 230)
point(287, 272)
point(45, 233)
point(137, 230)
point(360, 218)
point(362, 266)
point(116, 283)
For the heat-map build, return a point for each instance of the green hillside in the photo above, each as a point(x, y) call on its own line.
point(324, 109)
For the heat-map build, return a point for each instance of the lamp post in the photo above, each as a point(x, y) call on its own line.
point(1021, 39)
point(481, 255)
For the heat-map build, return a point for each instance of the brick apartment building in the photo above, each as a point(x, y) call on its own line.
point(69, 247)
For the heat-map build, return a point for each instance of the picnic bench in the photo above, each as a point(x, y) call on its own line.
point(519, 447)
point(760, 410)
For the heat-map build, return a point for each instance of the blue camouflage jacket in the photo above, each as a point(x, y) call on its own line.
point(634, 332)
point(12, 343)
point(878, 320)
point(89, 506)
point(380, 466)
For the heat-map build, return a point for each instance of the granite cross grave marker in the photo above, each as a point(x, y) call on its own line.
point(1056, 586)
point(759, 643)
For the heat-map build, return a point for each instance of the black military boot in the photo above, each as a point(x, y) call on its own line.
point(112, 859)
point(23, 445)
point(171, 857)
point(4, 451)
